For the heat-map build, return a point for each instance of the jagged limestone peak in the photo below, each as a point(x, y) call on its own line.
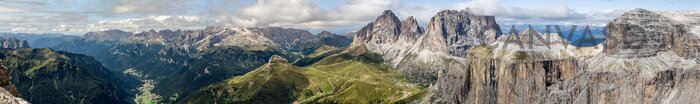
point(410, 28)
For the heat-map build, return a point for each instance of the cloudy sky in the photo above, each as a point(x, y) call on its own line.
point(79, 16)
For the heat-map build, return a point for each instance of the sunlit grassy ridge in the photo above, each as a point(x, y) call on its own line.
point(317, 54)
point(340, 78)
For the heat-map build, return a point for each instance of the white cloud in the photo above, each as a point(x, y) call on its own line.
point(361, 9)
point(548, 14)
point(137, 24)
point(10, 10)
point(308, 15)
point(150, 6)
point(275, 12)
point(495, 7)
point(22, 29)
point(139, 15)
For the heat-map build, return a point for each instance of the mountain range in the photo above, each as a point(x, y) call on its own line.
point(458, 57)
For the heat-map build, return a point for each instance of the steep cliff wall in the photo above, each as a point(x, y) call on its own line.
point(651, 64)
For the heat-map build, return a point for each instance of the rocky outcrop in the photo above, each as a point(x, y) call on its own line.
point(8, 91)
point(6, 83)
point(277, 59)
point(13, 43)
point(7, 97)
point(626, 70)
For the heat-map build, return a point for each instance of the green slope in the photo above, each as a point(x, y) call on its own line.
point(46, 76)
point(317, 54)
point(341, 78)
point(215, 65)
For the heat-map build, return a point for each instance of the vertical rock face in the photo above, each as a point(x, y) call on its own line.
point(380, 34)
point(386, 28)
point(687, 38)
point(642, 33)
point(639, 33)
point(410, 30)
point(13, 43)
point(454, 32)
point(626, 71)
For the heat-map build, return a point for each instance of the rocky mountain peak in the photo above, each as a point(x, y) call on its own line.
point(387, 28)
point(412, 49)
point(13, 43)
point(642, 17)
point(387, 12)
point(388, 17)
point(641, 33)
point(410, 28)
point(453, 31)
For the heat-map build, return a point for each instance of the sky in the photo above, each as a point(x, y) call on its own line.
point(339, 16)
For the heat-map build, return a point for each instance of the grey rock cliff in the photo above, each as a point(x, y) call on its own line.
point(454, 32)
point(631, 72)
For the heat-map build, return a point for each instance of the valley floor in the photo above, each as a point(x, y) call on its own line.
point(145, 96)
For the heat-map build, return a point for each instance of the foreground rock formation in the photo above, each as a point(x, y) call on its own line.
point(8, 91)
point(651, 59)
